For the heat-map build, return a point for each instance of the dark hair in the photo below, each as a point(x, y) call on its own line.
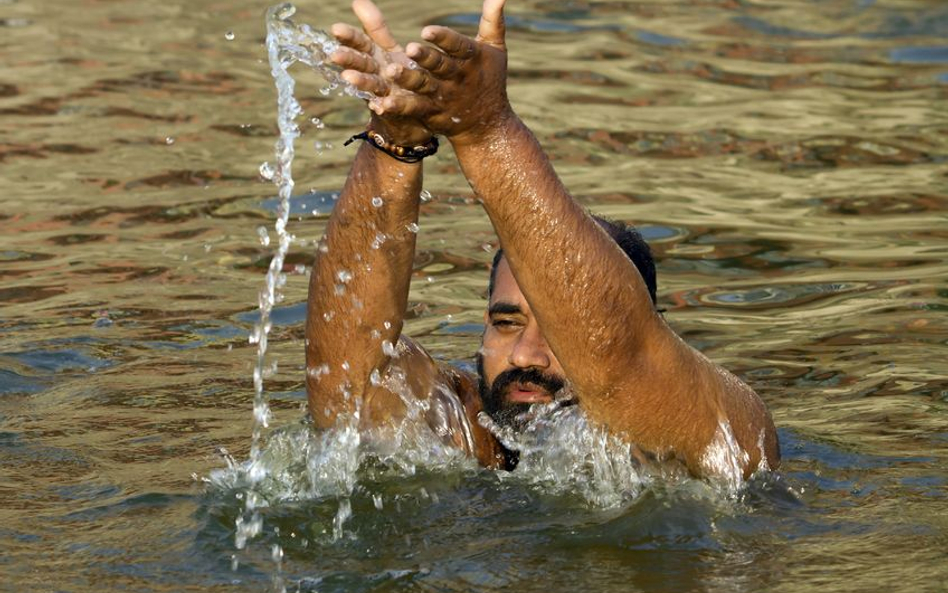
point(627, 238)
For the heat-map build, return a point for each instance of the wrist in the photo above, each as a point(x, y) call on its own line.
point(488, 133)
point(401, 133)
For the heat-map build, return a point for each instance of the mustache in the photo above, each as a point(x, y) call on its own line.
point(549, 383)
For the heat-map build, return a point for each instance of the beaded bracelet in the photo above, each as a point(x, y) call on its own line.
point(405, 154)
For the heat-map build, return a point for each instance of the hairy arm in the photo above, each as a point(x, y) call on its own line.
point(358, 364)
point(631, 372)
point(358, 289)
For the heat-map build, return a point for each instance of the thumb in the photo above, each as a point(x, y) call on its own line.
point(492, 29)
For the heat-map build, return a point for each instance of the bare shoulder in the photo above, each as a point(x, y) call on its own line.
point(675, 402)
point(447, 395)
point(737, 432)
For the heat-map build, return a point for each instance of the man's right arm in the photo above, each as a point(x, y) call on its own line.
point(358, 289)
point(356, 358)
point(357, 361)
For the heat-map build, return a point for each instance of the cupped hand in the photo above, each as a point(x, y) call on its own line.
point(363, 56)
point(460, 87)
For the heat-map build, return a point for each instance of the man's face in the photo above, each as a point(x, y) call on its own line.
point(516, 366)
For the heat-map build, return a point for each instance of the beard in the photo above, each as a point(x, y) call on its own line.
point(493, 395)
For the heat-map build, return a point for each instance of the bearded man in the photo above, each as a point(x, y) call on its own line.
point(571, 314)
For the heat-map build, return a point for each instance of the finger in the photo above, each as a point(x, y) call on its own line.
point(449, 41)
point(415, 80)
point(374, 24)
point(370, 83)
point(352, 37)
point(349, 59)
point(432, 60)
point(492, 28)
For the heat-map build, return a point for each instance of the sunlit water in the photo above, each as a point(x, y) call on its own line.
point(787, 161)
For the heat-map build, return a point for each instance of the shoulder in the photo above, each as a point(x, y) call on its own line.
point(473, 437)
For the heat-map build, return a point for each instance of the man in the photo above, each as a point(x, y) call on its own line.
point(567, 307)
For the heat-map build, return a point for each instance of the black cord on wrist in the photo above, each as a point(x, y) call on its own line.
point(405, 154)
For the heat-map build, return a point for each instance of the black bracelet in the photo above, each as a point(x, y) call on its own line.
point(405, 154)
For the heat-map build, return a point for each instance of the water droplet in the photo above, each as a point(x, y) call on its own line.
point(345, 365)
point(456, 120)
point(229, 36)
point(388, 349)
point(377, 501)
point(425, 195)
point(412, 227)
point(285, 11)
point(266, 171)
point(169, 140)
point(379, 240)
point(318, 123)
point(102, 322)
point(387, 325)
point(344, 276)
point(377, 202)
point(375, 378)
point(263, 235)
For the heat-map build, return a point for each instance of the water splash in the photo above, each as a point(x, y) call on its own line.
point(724, 460)
point(261, 477)
point(560, 452)
point(301, 43)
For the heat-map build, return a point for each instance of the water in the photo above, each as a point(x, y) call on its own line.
point(786, 160)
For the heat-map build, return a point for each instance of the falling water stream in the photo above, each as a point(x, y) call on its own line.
point(286, 44)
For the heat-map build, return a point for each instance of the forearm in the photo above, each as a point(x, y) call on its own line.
point(359, 285)
point(585, 292)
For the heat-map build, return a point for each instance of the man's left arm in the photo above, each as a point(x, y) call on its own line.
point(631, 371)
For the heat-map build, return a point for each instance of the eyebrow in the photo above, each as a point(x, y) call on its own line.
point(502, 308)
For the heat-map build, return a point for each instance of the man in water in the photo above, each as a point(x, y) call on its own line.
point(571, 312)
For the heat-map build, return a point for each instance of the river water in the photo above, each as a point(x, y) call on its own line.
point(787, 159)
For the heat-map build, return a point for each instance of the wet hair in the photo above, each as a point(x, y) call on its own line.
point(627, 238)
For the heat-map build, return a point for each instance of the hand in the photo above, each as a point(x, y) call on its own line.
point(460, 90)
point(363, 56)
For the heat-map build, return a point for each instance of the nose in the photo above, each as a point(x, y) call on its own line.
point(530, 349)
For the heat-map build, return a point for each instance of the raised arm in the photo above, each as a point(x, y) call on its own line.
point(631, 372)
point(358, 289)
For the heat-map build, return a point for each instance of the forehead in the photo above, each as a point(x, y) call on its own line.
point(506, 289)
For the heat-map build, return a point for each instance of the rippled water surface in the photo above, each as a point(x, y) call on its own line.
point(788, 160)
